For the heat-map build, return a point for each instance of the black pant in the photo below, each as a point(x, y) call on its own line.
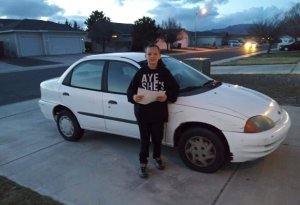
point(155, 130)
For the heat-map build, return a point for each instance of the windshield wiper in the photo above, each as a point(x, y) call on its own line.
point(212, 83)
point(190, 88)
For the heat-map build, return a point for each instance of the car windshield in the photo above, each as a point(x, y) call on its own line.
point(187, 77)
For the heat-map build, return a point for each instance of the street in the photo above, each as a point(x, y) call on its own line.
point(20, 86)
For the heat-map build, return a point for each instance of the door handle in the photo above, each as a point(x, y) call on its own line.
point(112, 102)
point(65, 94)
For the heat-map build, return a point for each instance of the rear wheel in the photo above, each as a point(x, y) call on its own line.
point(68, 126)
point(202, 150)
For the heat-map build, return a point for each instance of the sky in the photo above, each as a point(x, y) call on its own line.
point(187, 13)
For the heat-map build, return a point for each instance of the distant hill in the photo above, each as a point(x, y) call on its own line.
point(235, 29)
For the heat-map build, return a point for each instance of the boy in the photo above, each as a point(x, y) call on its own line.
point(153, 76)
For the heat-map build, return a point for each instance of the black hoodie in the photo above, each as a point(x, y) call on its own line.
point(153, 80)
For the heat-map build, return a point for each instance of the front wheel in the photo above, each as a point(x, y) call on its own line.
point(68, 126)
point(202, 150)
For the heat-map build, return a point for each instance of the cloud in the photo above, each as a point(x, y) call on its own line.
point(187, 18)
point(185, 12)
point(36, 9)
point(248, 16)
point(120, 2)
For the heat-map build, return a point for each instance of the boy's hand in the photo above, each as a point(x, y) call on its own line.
point(161, 98)
point(138, 98)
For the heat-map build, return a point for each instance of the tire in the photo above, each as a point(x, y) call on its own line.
point(68, 126)
point(202, 150)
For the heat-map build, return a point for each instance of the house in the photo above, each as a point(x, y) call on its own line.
point(30, 37)
point(206, 39)
point(182, 43)
point(121, 40)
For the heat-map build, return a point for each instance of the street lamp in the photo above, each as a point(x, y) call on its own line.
point(203, 11)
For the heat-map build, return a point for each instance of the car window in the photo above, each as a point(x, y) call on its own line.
point(119, 76)
point(88, 75)
point(185, 75)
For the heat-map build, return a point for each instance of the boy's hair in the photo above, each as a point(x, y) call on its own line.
point(152, 45)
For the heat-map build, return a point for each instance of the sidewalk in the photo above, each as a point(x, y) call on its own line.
point(57, 61)
point(257, 69)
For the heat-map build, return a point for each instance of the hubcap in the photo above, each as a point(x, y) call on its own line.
point(200, 151)
point(66, 126)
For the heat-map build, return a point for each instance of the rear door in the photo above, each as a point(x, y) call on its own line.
point(82, 93)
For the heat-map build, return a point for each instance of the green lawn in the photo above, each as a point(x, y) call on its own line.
point(275, 57)
point(15, 194)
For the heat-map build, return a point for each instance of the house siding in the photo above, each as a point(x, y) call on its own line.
point(22, 38)
point(10, 48)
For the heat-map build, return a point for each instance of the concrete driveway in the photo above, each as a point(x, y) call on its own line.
point(102, 168)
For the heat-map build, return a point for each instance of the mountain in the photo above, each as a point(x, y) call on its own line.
point(234, 29)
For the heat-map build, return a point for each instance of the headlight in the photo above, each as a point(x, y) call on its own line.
point(258, 124)
point(248, 45)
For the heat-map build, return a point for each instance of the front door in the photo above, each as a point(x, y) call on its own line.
point(119, 112)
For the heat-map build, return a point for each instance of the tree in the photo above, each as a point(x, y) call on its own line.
point(68, 23)
point(102, 32)
point(291, 22)
point(171, 31)
point(144, 31)
point(94, 17)
point(269, 29)
point(76, 26)
point(100, 29)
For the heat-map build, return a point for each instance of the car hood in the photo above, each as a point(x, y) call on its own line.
point(234, 100)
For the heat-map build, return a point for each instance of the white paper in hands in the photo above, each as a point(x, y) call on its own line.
point(149, 96)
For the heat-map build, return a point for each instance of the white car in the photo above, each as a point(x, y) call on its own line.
point(284, 42)
point(250, 45)
point(233, 43)
point(211, 122)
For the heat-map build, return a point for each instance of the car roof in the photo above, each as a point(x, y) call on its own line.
point(135, 56)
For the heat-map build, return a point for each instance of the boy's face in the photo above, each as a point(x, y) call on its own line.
point(152, 55)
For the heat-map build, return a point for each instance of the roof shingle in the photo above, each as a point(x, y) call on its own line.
point(33, 25)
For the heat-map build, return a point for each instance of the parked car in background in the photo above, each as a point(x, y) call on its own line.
point(233, 43)
point(211, 122)
point(291, 47)
point(284, 42)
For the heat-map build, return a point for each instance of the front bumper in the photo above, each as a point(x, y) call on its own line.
point(251, 146)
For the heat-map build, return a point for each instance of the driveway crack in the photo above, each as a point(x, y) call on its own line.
point(225, 185)
point(11, 115)
point(29, 154)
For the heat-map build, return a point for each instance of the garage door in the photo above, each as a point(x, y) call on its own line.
point(58, 45)
point(30, 45)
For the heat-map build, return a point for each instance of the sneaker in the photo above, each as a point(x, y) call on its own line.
point(143, 171)
point(159, 164)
